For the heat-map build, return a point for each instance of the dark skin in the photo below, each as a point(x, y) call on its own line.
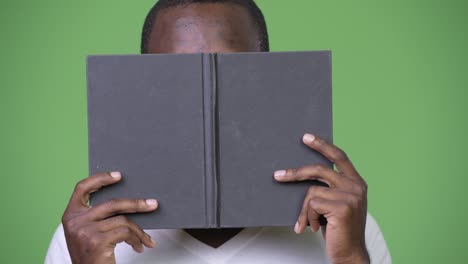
point(92, 233)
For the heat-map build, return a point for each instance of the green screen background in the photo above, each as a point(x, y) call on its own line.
point(400, 112)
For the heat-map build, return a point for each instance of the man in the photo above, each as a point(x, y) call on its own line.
point(92, 235)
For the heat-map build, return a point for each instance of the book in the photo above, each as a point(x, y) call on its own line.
point(204, 133)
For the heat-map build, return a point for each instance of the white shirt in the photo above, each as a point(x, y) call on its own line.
point(252, 245)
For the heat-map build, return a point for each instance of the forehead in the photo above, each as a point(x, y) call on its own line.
point(212, 27)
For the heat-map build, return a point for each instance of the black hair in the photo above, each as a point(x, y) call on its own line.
point(249, 5)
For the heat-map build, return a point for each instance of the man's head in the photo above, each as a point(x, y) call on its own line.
point(190, 26)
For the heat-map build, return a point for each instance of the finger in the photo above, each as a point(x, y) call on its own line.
point(313, 172)
point(121, 206)
point(327, 208)
point(334, 154)
point(121, 221)
point(330, 194)
point(84, 188)
point(302, 220)
point(314, 219)
point(348, 202)
point(123, 234)
point(135, 243)
point(310, 216)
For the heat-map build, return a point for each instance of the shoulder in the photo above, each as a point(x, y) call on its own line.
point(375, 242)
point(58, 251)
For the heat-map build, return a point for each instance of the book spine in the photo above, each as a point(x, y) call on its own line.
point(215, 114)
point(210, 118)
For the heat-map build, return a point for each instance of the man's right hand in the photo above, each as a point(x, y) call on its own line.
point(93, 232)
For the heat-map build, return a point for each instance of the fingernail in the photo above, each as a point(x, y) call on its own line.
point(152, 202)
point(296, 227)
point(308, 138)
point(280, 174)
point(312, 229)
point(115, 174)
point(153, 243)
point(141, 249)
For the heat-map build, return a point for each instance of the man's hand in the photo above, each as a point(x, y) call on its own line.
point(343, 204)
point(93, 232)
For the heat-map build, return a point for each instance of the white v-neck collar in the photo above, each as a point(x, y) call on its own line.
point(208, 253)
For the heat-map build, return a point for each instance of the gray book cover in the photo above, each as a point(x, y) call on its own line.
point(203, 133)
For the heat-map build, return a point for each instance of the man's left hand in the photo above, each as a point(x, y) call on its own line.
point(343, 204)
